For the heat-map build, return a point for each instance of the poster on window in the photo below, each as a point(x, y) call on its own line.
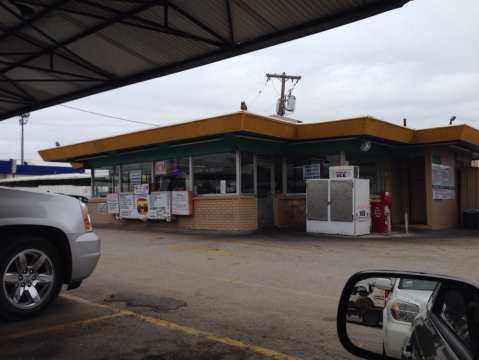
point(160, 205)
point(312, 171)
point(181, 203)
point(141, 189)
point(135, 177)
point(127, 206)
point(160, 167)
point(142, 204)
point(112, 203)
point(443, 186)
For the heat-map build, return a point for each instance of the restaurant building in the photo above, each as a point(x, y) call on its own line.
point(244, 172)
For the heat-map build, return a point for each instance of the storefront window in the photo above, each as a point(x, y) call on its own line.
point(278, 175)
point(135, 174)
point(215, 174)
point(374, 172)
point(247, 173)
point(116, 178)
point(172, 174)
point(103, 181)
point(294, 175)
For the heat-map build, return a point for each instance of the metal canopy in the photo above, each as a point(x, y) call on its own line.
point(56, 51)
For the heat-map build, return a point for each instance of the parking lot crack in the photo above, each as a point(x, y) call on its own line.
point(158, 304)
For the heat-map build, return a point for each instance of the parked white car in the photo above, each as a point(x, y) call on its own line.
point(407, 298)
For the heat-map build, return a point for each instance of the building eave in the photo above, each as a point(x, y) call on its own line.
point(245, 122)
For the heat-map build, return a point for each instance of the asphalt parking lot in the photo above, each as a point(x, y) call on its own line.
point(163, 295)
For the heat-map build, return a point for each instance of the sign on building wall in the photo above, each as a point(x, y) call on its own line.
point(343, 172)
point(112, 203)
point(181, 203)
point(312, 171)
point(135, 177)
point(127, 206)
point(141, 189)
point(443, 187)
point(142, 200)
point(160, 205)
point(142, 203)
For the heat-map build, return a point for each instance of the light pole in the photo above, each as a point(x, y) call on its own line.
point(23, 120)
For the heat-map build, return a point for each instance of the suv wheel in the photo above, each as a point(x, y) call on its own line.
point(31, 276)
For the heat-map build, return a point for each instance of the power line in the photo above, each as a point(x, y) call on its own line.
point(107, 116)
point(274, 87)
point(260, 92)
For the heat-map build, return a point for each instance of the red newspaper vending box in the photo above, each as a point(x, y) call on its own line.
point(380, 210)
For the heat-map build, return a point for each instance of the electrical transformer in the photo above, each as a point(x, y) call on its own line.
point(338, 205)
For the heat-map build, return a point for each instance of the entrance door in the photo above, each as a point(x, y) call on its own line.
point(265, 191)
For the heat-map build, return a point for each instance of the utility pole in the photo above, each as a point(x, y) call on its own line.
point(283, 77)
point(23, 121)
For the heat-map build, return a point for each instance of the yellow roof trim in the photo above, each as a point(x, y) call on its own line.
point(266, 126)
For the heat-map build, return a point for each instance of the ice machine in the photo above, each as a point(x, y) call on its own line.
point(338, 205)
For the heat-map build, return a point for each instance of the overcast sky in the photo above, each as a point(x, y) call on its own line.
point(420, 62)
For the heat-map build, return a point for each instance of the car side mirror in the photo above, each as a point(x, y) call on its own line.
point(381, 323)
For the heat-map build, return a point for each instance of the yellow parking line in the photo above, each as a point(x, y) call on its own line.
point(220, 339)
point(62, 327)
point(86, 301)
point(192, 331)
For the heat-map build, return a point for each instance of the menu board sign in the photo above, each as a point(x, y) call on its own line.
point(127, 206)
point(443, 187)
point(160, 205)
point(112, 203)
point(181, 203)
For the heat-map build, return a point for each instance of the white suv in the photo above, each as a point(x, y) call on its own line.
point(46, 240)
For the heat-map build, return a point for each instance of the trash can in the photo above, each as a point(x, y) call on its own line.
point(470, 219)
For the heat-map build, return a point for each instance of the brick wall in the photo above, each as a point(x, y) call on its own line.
point(217, 213)
point(223, 213)
point(99, 217)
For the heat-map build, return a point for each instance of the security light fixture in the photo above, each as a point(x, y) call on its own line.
point(365, 145)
